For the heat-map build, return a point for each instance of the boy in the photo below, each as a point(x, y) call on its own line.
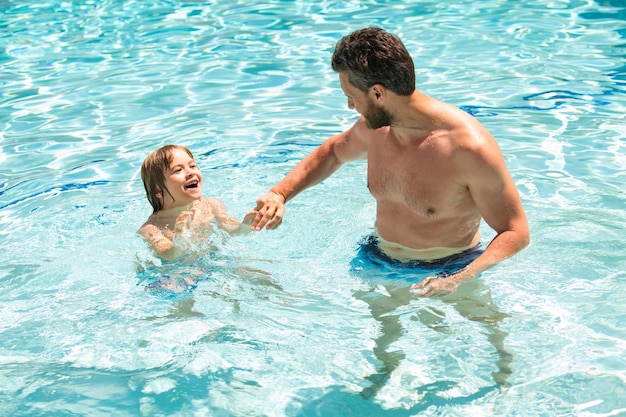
point(181, 216)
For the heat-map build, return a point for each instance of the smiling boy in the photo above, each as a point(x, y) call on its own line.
point(173, 184)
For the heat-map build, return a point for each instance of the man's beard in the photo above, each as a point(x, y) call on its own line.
point(377, 117)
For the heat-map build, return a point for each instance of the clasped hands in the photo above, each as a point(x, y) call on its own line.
point(270, 209)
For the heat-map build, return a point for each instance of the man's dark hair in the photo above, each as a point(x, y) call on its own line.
point(373, 56)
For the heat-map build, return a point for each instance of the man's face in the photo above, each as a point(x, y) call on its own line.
point(375, 115)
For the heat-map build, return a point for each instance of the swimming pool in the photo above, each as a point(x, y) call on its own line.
point(278, 325)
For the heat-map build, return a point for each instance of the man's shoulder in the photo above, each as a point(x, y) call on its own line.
point(353, 143)
point(362, 133)
point(474, 148)
point(468, 133)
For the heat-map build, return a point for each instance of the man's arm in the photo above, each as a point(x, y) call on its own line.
point(497, 198)
point(313, 169)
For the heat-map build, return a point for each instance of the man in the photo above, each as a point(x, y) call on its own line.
point(433, 169)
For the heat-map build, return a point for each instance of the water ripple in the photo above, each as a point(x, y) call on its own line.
point(88, 89)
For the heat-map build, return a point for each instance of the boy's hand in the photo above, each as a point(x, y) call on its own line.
point(249, 218)
point(184, 220)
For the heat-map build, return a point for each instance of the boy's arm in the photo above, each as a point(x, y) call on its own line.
point(230, 223)
point(164, 247)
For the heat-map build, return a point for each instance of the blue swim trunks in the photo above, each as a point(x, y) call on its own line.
point(371, 263)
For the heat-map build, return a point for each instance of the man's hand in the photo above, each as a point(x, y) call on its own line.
point(434, 286)
point(270, 210)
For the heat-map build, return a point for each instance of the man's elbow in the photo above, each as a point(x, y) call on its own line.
point(524, 240)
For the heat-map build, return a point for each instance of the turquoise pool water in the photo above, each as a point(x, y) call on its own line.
point(277, 325)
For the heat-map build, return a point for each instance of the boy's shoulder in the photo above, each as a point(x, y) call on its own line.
point(211, 202)
point(148, 229)
point(158, 220)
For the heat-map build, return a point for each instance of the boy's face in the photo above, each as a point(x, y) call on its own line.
point(183, 180)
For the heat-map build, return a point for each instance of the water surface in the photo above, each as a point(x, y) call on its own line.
point(277, 324)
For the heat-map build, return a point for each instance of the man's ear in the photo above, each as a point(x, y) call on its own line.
point(378, 92)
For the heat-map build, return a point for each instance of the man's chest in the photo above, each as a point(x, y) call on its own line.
point(423, 182)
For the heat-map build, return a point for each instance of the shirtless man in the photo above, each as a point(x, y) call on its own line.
point(433, 169)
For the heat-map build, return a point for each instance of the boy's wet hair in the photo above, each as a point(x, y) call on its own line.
point(373, 56)
point(153, 172)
